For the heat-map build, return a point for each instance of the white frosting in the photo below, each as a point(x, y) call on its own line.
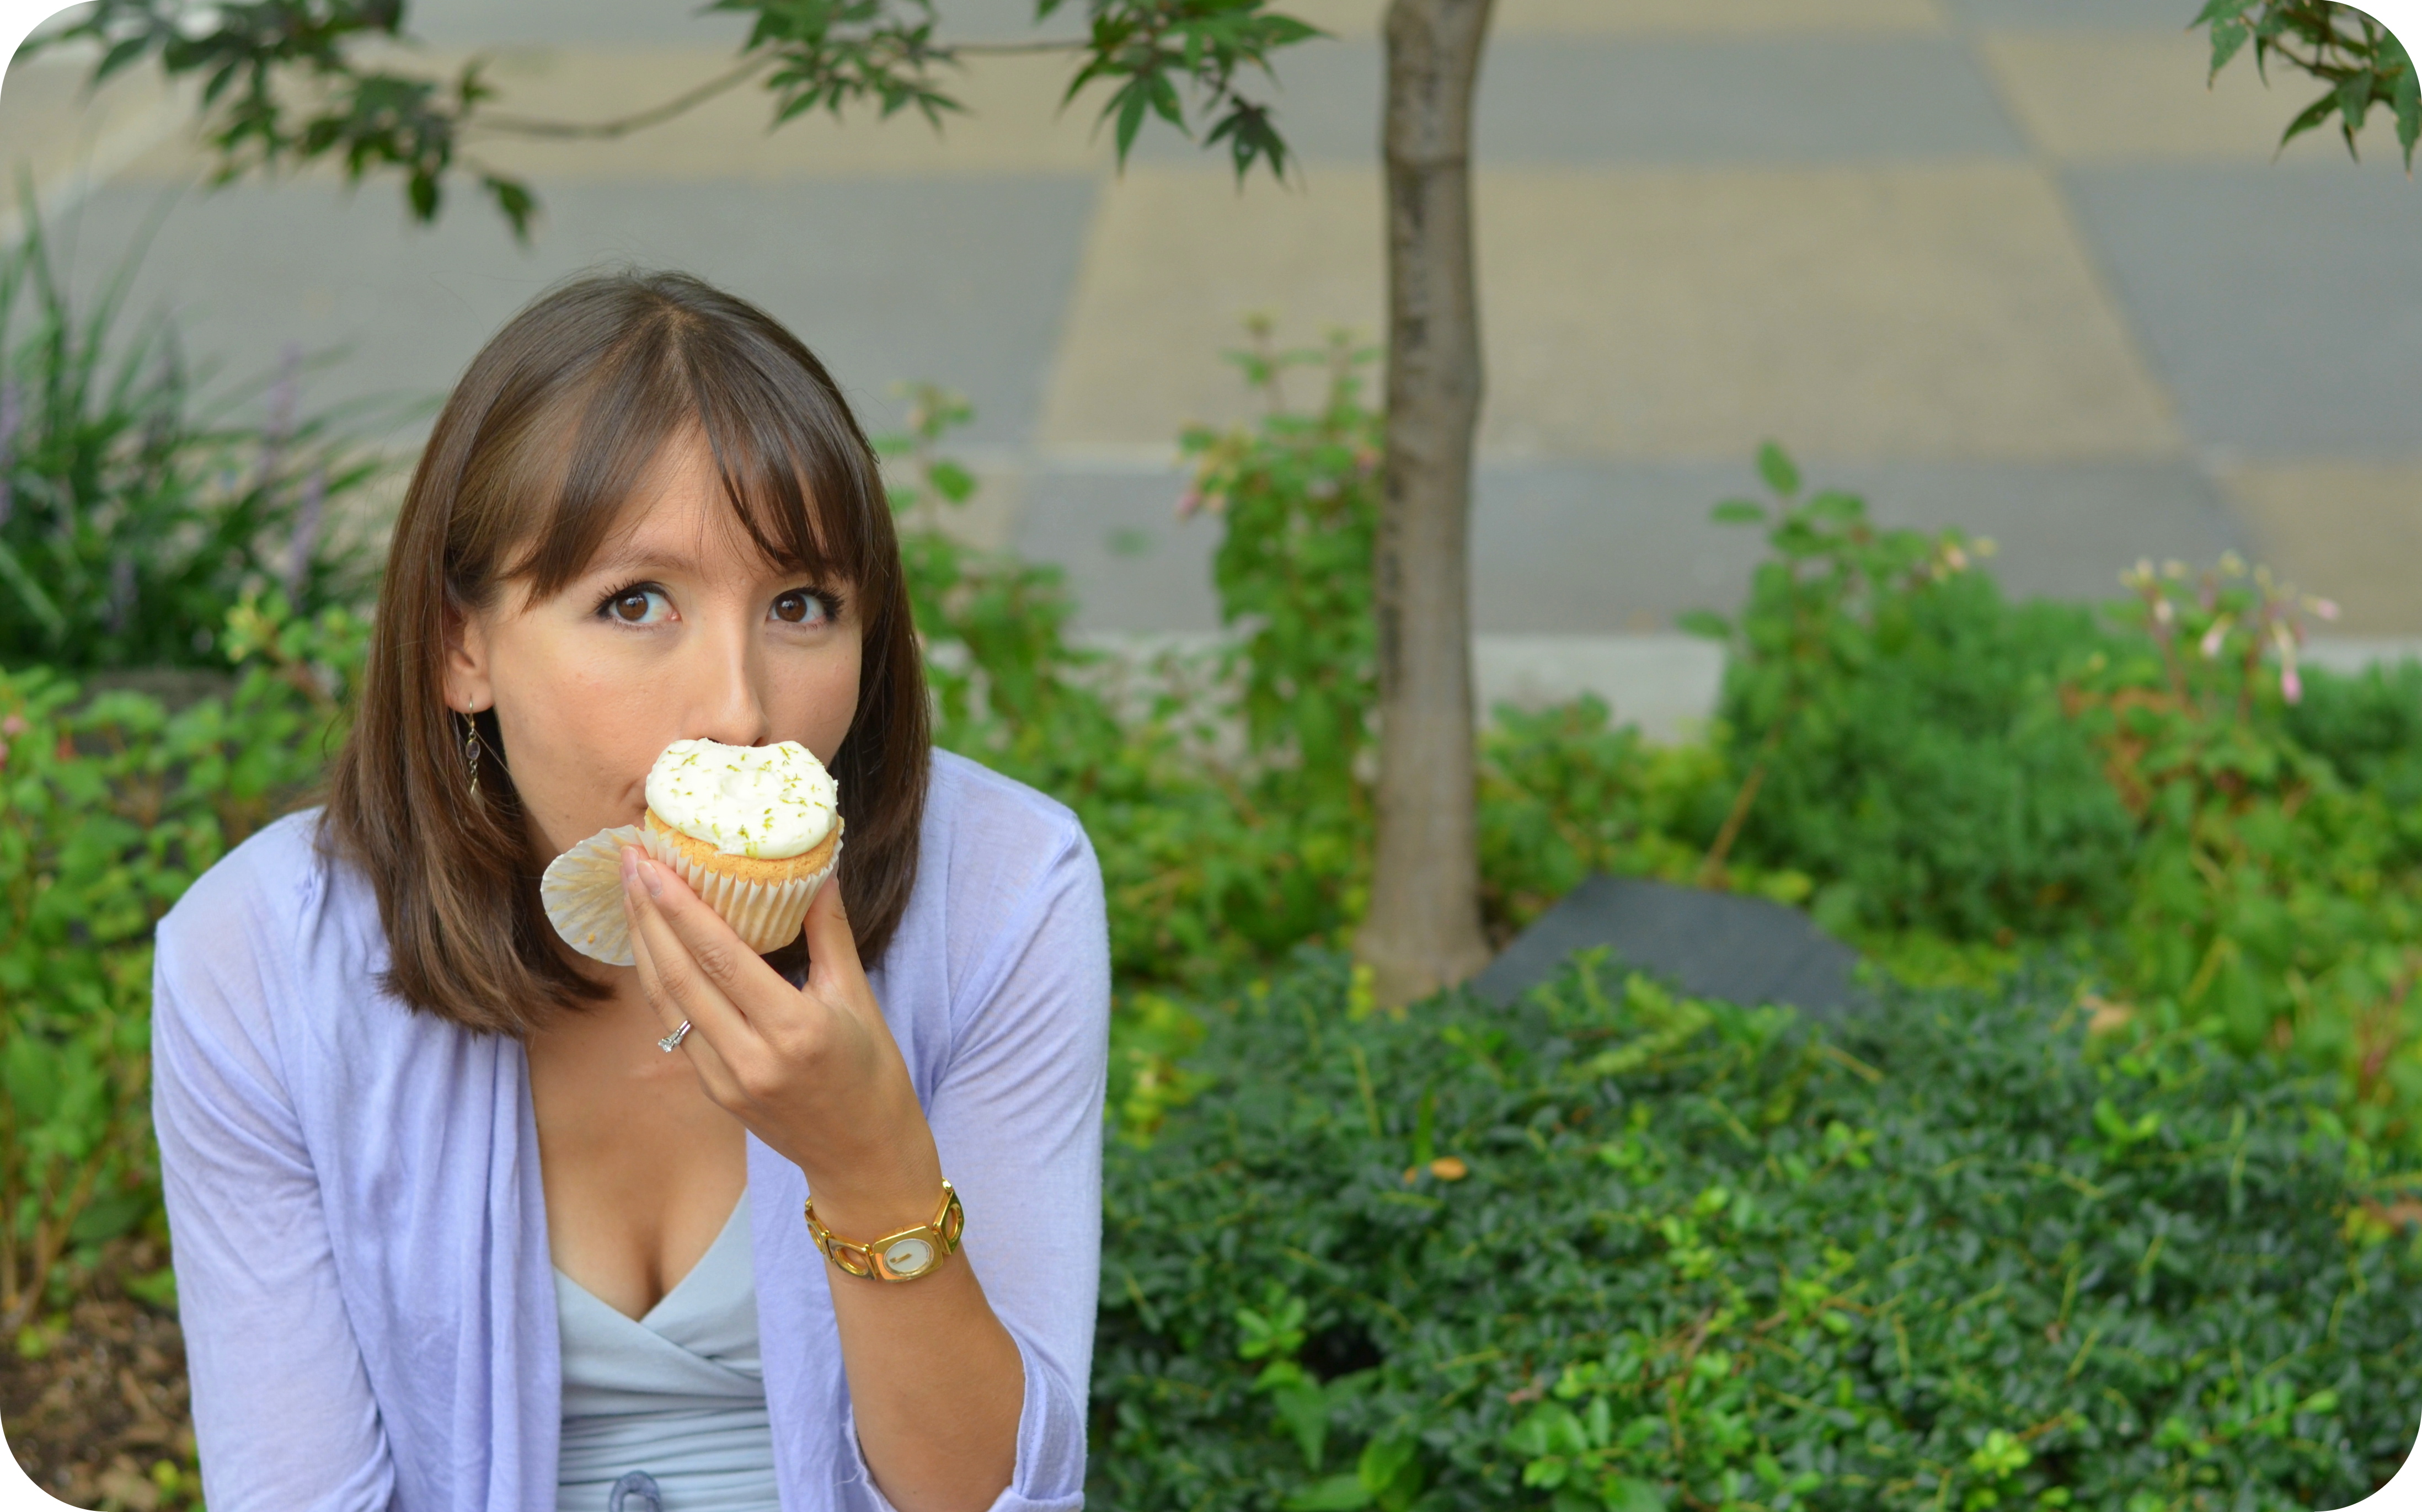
point(763, 801)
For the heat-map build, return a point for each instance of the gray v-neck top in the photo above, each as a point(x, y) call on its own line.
point(679, 1393)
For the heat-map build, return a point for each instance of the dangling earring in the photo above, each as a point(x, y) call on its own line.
point(471, 754)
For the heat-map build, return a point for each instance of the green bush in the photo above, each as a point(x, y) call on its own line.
point(1897, 721)
point(1614, 1248)
point(109, 808)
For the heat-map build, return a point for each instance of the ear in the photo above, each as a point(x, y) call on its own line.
point(469, 690)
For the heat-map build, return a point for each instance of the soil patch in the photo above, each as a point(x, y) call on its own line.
point(107, 1400)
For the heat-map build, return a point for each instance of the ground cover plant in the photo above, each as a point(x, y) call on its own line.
point(1614, 1248)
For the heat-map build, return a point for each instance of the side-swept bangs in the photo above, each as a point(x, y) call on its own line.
point(537, 454)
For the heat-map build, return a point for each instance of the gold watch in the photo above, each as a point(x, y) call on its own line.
point(902, 1256)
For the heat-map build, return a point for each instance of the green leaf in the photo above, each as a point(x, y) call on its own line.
point(1383, 1461)
point(1302, 1408)
point(1626, 1494)
point(1705, 622)
point(1737, 511)
point(1338, 1493)
point(950, 480)
point(108, 1218)
point(1776, 469)
point(31, 1071)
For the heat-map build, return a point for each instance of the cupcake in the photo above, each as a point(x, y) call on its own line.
point(754, 831)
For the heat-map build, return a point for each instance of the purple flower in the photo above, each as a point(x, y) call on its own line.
point(307, 534)
point(281, 429)
point(10, 418)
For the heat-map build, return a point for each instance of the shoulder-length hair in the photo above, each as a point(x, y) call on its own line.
point(530, 465)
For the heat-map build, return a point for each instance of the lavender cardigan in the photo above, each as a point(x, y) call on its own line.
point(360, 1231)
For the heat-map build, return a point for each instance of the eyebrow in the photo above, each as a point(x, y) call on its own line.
point(628, 560)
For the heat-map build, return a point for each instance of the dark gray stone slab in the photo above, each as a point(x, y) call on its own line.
point(2282, 304)
point(1718, 945)
point(962, 280)
point(1581, 101)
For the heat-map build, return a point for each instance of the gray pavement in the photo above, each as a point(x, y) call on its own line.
point(2005, 265)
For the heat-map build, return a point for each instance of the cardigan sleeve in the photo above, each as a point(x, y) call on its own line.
point(283, 1411)
point(1017, 1118)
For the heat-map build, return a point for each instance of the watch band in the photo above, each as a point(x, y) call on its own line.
point(903, 1256)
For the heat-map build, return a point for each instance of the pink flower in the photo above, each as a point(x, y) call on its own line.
point(2292, 687)
point(1191, 501)
point(13, 725)
point(2163, 611)
point(2215, 637)
point(2326, 609)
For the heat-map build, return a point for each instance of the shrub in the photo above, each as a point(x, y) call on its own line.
point(1896, 721)
point(109, 808)
point(1615, 1249)
point(131, 525)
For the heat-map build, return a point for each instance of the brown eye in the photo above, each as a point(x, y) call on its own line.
point(798, 607)
point(631, 608)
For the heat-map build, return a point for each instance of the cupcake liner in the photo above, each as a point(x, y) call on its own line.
point(582, 891)
point(767, 916)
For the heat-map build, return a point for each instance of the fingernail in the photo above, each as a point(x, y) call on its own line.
point(648, 875)
point(630, 863)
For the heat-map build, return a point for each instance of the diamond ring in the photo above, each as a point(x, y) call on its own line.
point(672, 1041)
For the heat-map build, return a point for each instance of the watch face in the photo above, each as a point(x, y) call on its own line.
point(909, 1255)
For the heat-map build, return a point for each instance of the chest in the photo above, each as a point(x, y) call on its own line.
point(641, 1168)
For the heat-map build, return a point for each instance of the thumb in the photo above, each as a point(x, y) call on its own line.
point(832, 947)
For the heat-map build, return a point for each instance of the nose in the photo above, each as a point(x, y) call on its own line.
point(726, 684)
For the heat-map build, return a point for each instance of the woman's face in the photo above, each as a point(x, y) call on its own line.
point(679, 630)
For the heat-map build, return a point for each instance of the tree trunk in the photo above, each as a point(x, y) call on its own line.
point(1422, 931)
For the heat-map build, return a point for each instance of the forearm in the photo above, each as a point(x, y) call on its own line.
point(934, 1381)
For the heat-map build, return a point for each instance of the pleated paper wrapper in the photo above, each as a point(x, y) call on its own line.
point(582, 891)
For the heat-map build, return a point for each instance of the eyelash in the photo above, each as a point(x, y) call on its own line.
point(829, 602)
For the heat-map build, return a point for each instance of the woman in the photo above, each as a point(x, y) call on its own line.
point(452, 1231)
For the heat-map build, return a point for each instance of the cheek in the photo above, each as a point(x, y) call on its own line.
point(821, 698)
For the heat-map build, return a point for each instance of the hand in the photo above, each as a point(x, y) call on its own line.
point(814, 1072)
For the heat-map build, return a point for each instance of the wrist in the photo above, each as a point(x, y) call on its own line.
point(874, 1197)
point(906, 1253)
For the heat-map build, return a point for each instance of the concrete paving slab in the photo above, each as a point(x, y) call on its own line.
point(1943, 312)
point(1609, 549)
point(2098, 15)
point(2347, 531)
point(2118, 97)
point(1621, 549)
point(874, 275)
point(2282, 306)
point(1013, 124)
point(1654, 18)
point(1134, 565)
point(1913, 313)
point(1819, 98)
point(1173, 259)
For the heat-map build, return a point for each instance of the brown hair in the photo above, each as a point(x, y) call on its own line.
point(524, 478)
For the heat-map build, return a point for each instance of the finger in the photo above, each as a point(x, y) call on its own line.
point(832, 947)
point(669, 972)
point(723, 959)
